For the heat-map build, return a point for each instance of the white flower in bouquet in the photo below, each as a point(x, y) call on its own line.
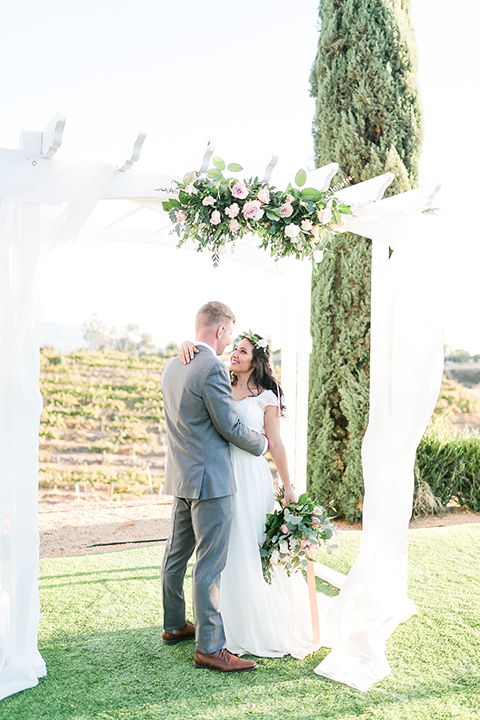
point(292, 230)
point(275, 557)
point(325, 216)
point(190, 189)
point(234, 225)
point(284, 548)
point(307, 224)
point(209, 200)
point(215, 218)
point(232, 210)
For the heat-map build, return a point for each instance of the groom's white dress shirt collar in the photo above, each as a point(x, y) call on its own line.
point(212, 350)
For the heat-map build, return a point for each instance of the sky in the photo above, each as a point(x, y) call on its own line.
point(187, 73)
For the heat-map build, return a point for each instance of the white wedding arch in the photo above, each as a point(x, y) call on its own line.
point(46, 203)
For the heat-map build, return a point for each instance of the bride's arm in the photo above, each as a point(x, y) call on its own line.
point(278, 452)
point(187, 352)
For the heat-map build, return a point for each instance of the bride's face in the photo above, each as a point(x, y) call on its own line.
point(242, 356)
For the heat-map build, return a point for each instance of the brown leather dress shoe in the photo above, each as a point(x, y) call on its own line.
point(172, 637)
point(223, 661)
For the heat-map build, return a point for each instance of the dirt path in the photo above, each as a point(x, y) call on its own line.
point(78, 527)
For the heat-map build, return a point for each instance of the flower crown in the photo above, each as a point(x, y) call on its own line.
point(258, 343)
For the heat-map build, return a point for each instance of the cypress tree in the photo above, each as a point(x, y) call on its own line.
point(368, 119)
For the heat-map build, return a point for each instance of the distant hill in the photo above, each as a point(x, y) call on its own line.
point(64, 338)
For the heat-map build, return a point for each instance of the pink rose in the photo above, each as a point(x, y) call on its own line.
point(284, 529)
point(325, 216)
point(234, 225)
point(180, 215)
point(315, 522)
point(286, 210)
point(264, 195)
point(252, 210)
point(239, 191)
point(315, 231)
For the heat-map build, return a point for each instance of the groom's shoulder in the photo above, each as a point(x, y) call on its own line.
point(203, 362)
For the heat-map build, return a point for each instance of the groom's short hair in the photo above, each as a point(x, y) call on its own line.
point(214, 313)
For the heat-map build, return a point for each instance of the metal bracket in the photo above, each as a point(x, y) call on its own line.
point(135, 152)
point(52, 135)
point(269, 168)
point(206, 158)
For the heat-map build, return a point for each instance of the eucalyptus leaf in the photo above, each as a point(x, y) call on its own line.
point(235, 167)
point(214, 174)
point(190, 177)
point(311, 194)
point(218, 162)
point(300, 178)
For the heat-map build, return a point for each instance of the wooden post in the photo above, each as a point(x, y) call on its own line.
point(312, 594)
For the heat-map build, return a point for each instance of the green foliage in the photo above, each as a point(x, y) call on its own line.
point(450, 465)
point(292, 533)
point(368, 119)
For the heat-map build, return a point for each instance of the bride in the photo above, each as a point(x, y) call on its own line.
point(268, 620)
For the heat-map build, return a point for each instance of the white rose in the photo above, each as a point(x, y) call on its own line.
point(190, 189)
point(215, 218)
point(234, 225)
point(275, 557)
point(209, 200)
point(284, 547)
point(307, 224)
point(292, 230)
point(232, 210)
point(263, 343)
point(258, 215)
point(289, 199)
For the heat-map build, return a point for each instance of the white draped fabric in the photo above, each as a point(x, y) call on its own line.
point(406, 375)
point(26, 245)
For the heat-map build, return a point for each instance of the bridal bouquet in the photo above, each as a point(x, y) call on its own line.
point(213, 210)
point(291, 533)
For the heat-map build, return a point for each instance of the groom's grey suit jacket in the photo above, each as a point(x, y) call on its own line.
point(201, 420)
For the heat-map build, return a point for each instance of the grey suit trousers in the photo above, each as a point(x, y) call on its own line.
point(204, 524)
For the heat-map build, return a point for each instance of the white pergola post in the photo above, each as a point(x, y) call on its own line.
point(296, 347)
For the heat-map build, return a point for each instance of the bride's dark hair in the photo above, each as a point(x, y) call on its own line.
point(262, 375)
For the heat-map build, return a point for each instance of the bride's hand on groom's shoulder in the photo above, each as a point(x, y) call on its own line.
point(290, 497)
point(187, 352)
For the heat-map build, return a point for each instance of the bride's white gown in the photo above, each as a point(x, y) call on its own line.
point(260, 619)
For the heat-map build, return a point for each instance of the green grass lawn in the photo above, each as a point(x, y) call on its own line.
point(101, 629)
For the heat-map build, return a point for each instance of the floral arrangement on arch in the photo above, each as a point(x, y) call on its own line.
point(292, 532)
point(213, 210)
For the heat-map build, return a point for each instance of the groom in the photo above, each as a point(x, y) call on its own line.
point(201, 420)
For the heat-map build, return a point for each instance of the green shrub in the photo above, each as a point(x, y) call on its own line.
point(450, 465)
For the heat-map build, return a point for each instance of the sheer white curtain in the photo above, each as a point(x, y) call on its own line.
point(406, 375)
point(26, 245)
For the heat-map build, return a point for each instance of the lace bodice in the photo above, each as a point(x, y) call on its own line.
point(252, 409)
